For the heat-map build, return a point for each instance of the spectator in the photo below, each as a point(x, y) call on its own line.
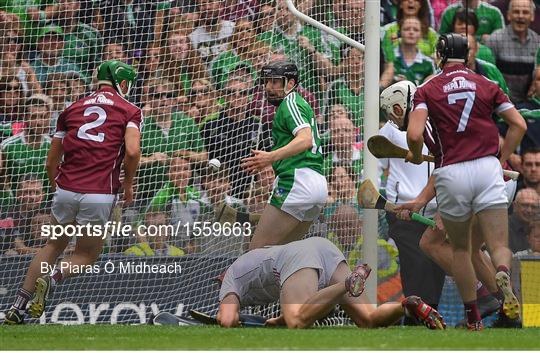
point(10, 103)
point(82, 42)
point(341, 189)
point(264, 19)
point(409, 63)
point(25, 153)
point(418, 9)
point(530, 165)
point(245, 50)
point(31, 14)
point(203, 105)
point(345, 229)
point(515, 47)
point(217, 191)
point(533, 241)
point(29, 244)
point(29, 199)
point(466, 22)
point(233, 135)
point(158, 244)
point(503, 5)
point(484, 68)
point(343, 148)
point(526, 206)
point(212, 35)
point(180, 63)
point(489, 17)
point(49, 59)
point(165, 134)
point(438, 7)
point(177, 195)
point(13, 62)
point(77, 86)
point(57, 88)
point(349, 90)
point(303, 45)
point(115, 51)
point(237, 10)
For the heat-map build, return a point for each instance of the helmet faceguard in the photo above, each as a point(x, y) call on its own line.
point(396, 103)
point(284, 70)
point(114, 72)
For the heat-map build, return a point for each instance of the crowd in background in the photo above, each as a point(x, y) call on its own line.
point(198, 64)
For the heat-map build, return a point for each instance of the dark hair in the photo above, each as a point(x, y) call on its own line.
point(465, 15)
point(532, 150)
point(423, 16)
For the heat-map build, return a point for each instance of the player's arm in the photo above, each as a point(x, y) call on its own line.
point(516, 129)
point(132, 140)
point(54, 157)
point(261, 159)
point(192, 156)
point(229, 311)
point(415, 138)
point(426, 195)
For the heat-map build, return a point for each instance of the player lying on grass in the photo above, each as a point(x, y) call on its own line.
point(83, 166)
point(309, 277)
point(398, 102)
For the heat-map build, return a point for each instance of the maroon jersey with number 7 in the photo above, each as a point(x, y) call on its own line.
point(92, 132)
point(460, 104)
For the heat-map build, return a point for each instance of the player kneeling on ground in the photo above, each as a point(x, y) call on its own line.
point(309, 277)
point(83, 166)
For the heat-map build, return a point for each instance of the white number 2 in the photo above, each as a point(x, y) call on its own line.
point(469, 96)
point(102, 116)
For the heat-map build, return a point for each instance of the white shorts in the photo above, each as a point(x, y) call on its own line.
point(466, 188)
point(302, 194)
point(68, 207)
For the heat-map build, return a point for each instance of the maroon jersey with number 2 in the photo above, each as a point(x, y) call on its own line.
point(460, 104)
point(93, 130)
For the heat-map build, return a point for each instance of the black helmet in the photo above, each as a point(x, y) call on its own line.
point(283, 69)
point(452, 46)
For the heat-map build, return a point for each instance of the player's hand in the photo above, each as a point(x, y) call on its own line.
point(128, 194)
point(276, 321)
point(414, 159)
point(404, 211)
point(160, 157)
point(439, 225)
point(258, 161)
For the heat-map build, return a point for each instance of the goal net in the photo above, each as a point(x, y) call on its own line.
point(198, 64)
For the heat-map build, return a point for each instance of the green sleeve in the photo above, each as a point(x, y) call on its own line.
point(295, 114)
point(493, 73)
point(387, 47)
point(446, 20)
point(485, 53)
point(197, 143)
point(498, 20)
point(530, 114)
point(160, 199)
point(538, 56)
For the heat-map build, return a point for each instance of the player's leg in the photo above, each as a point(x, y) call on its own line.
point(274, 227)
point(483, 267)
point(434, 244)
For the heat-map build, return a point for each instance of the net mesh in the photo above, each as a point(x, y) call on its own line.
point(198, 88)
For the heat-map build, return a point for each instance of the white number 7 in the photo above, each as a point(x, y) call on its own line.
point(469, 96)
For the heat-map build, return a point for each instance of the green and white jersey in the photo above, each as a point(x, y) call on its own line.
point(490, 18)
point(293, 114)
point(417, 71)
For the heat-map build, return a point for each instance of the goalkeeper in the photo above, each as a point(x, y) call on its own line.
point(309, 277)
point(300, 189)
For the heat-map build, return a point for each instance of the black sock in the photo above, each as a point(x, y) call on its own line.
point(23, 296)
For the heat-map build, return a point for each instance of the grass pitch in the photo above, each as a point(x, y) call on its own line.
point(120, 337)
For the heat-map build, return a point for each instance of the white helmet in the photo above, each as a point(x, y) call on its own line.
point(396, 102)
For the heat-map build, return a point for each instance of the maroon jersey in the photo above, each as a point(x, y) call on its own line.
point(460, 104)
point(93, 130)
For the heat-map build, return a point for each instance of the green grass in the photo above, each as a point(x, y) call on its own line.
point(52, 337)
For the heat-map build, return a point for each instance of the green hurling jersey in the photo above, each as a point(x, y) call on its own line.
point(391, 41)
point(489, 17)
point(417, 71)
point(293, 114)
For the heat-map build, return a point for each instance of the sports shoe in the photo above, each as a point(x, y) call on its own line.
point(356, 281)
point(14, 317)
point(475, 326)
point(41, 294)
point(510, 303)
point(504, 322)
point(415, 307)
point(487, 305)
